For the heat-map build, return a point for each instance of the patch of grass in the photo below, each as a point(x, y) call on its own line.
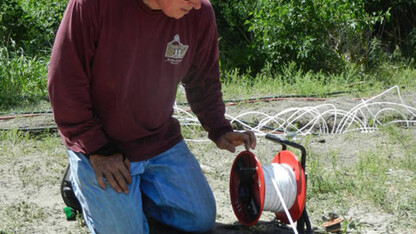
point(13, 136)
point(193, 131)
point(22, 78)
point(10, 144)
point(45, 151)
point(27, 106)
point(381, 178)
point(33, 163)
point(292, 81)
point(18, 215)
point(406, 141)
point(371, 176)
point(328, 180)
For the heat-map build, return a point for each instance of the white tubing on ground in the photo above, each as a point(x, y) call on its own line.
point(365, 117)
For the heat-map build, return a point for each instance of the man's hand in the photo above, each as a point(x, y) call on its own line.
point(230, 140)
point(114, 169)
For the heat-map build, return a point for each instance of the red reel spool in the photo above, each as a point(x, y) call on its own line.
point(288, 158)
point(247, 187)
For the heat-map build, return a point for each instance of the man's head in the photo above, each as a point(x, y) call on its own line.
point(173, 8)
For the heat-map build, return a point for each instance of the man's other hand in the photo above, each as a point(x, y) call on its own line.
point(114, 169)
point(230, 140)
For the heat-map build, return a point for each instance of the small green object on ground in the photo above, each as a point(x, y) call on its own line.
point(70, 213)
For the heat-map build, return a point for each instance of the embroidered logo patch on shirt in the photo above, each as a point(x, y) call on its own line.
point(175, 50)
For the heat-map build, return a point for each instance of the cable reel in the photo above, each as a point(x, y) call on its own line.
point(254, 188)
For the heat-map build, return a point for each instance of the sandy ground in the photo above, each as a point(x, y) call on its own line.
point(30, 199)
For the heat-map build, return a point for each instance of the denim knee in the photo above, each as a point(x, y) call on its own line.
point(201, 220)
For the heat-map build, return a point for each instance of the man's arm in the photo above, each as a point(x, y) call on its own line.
point(69, 78)
point(203, 89)
point(69, 86)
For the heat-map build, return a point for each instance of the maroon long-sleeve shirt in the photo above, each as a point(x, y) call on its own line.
point(114, 72)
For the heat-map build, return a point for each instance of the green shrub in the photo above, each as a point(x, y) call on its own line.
point(400, 30)
point(234, 35)
point(30, 24)
point(27, 32)
point(13, 22)
point(316, 34)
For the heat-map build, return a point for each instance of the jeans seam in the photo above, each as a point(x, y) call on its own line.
point(157, 186)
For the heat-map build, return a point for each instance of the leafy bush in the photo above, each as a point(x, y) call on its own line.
point(400, 30)
point(13, 22)
point(27, 31)
point(234, 35)
point(31, 24)
point(315, 34)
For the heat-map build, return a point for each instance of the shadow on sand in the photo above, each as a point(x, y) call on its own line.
point(262, 227)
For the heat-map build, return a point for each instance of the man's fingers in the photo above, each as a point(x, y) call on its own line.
point(223, 143)
point(125, 173)
point(114, 169)
point(118, 178)
point(100, 180)
point(252, 139)
point(232, 139)
point(230, 147)
point(112, 181)
point(127, 164)
point(245, 138)
point(121, 181)
point(249, 140)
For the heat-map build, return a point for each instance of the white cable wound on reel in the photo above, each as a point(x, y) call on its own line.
point(280, 189)
point(285, 179)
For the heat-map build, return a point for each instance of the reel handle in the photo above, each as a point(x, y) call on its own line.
point(304, 219)
point(284, 144)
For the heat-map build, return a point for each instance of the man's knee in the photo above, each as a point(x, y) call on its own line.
point(202, 220)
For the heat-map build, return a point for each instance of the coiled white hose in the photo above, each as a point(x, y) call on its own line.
point(365, 117)
point(280, 189)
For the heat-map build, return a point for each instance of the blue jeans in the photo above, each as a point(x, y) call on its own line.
point(170, 188)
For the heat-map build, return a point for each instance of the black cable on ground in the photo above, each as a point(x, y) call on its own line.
point(278, 97)
point(287, 96)
point(26, 112)
point(49, 129)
